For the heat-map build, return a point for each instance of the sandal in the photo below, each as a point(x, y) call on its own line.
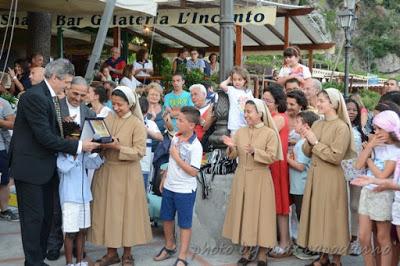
point(278, 252)
point(243, 261)
point(181, 260)
point(262, 263)
point(128, 260)
point(106, 260)
point(327, 263)
point(169, 254)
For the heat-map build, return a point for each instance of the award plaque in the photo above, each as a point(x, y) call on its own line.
point(96, 130)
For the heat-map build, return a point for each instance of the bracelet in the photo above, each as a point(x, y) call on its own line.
point(315, 143)
point(15, 77)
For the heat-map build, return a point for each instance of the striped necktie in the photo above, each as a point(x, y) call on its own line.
point(58, 113)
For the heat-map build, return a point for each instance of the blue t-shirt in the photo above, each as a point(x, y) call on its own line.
point(298, 179)
point(173, 100)
point(199, 64)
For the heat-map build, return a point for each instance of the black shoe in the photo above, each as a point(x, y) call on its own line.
point(53, 254)
point(262, 263)
point(243, 261)
point(9, 215)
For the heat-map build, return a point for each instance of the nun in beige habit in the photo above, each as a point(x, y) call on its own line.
point(251, 218)
point(324, 220)
point(119, 209)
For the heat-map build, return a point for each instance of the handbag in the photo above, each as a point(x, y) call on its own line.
point(219, 164)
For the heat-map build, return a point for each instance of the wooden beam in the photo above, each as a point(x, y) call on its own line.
point(212, 29)
point(321, 46)
point(194, 35)
point(117, 37)
point(188, 5)
point(239, 45)
point(253, 37)
point(286, 35)
point(310, 60)
point(304, 30)
point(294, 12)
point(183, 3)
point(167, 36)
point(275, 32)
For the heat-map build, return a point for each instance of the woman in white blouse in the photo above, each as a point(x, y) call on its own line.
point(129, 79)
point(97, 98)
point(143, 67)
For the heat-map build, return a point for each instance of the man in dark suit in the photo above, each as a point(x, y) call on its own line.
point(73, 109)
point(36, 140)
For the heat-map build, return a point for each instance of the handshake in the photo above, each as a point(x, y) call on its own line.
point(89, 145)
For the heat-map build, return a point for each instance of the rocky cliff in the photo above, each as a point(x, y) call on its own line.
point(376, 40)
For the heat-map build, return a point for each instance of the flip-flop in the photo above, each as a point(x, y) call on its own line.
point(170, 253)
point(181, 260)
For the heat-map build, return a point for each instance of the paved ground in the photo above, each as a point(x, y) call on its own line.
point(11, 253)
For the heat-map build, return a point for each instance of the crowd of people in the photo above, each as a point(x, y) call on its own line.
point(307, 158)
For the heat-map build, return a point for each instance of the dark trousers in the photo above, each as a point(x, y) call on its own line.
point(35, 206)
point(56, 241)
point(297, 201)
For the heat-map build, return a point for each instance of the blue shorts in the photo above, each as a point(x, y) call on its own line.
point(182, 203)
point(5, 178)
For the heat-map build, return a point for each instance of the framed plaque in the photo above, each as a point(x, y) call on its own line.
point(96, 130)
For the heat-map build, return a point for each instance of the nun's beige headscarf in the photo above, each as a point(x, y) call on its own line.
point(269, 122)
point(133, 101)
point(336, 98)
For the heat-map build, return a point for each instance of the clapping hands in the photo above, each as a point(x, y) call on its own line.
point(308, 134)
point(228, 141)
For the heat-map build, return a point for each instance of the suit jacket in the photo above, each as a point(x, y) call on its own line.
point(36, 138)
point(85, 111)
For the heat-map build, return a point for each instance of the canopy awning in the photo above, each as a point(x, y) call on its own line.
point(303, 29)
point(82, 6)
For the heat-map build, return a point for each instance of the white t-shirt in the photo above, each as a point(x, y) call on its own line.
point(130, 83)
point(104, 112)
point(74, 111)
point(146, 161)
point(380, 155)
point(147, 65)
point(396, 179)
point(191, 152)
point(300, 70)
point(150, 124)
point(237, 101)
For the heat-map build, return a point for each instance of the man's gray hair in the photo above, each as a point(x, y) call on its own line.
point(201, 87)
point(60, 68)
point(78, 80)
point(317, 85)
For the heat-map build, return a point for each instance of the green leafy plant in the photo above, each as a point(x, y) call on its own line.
point(166, 73)
point(193, 77)
point(370, 98)
point(333, 84)
point(10, 98)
